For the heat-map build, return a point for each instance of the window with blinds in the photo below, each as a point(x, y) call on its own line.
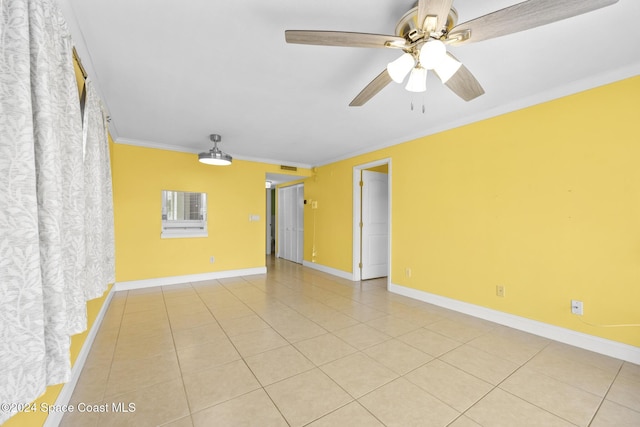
point(184, 214)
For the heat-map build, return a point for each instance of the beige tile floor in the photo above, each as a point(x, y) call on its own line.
point(297, 347)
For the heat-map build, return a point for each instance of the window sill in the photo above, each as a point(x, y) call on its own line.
point(185, 235)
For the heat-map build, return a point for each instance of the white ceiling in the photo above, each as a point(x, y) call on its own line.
point(172, 72)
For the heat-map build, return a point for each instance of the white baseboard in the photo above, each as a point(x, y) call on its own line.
point(175, 280)
point(55, 417)
point(604, 346)
point(328, 270)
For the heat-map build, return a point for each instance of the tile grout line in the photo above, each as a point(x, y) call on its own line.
point(175, 349)
point(604, 397)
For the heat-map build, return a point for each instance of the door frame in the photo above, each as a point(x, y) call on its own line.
point(268, 225)
point(357, 213)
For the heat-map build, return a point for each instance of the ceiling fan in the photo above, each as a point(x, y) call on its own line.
point(424, 32)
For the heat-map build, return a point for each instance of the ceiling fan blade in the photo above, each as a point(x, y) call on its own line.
point(371, 89)
point(520, 17)
point(439, 8)
point(464, 84)
point(343, 38)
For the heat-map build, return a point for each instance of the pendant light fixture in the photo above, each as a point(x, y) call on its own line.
point(215, 156)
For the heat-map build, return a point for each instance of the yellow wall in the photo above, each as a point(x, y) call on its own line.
point(544, 201)
point(233, 193)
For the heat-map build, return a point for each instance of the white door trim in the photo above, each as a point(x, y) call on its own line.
point(357, 213)
point(268, 220)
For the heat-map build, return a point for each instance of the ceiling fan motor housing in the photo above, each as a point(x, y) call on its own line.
point(408, 27)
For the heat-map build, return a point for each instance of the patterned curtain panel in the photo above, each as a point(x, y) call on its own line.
point(47, 244)
point(98, 213)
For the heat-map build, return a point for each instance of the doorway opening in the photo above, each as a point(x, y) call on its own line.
point(274, 215)
point(270, 216)
point(372, 220)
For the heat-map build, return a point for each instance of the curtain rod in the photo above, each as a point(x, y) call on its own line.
point(79, 62)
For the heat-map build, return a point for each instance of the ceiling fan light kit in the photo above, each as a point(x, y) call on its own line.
point(400, 68)
point(417, 80)
point(425, 30)
point(215, 156)
point(432, 53)
point(447, 67)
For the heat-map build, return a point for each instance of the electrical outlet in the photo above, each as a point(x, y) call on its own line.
point(576, 307)
point(407, 272)
point(212, 260)
point(500, 291)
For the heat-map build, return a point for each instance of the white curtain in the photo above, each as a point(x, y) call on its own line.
point(46, 236)
point(100, 262)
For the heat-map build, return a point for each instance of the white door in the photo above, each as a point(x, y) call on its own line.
point(375, 224)
point(290, 222)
